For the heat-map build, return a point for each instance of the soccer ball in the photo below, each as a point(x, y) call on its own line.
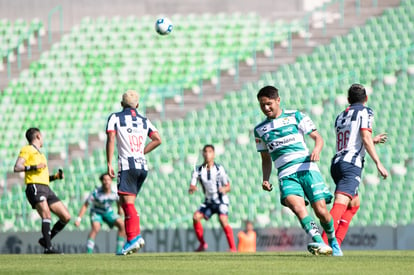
point(163, 26)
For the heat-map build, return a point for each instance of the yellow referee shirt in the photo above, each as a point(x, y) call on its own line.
point(34, 157)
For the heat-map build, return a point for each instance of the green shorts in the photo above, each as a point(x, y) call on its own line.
point(109, 217)
point(306, 184)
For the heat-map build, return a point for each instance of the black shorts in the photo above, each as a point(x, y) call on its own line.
point(130, 181)
point(347, 178)
point(36, 193)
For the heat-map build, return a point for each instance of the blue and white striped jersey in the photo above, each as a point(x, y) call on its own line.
point(211, 180)
point(132, 130)
point(348, 124)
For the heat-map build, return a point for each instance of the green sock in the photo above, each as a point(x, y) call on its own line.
point(309, 225)
point(119, 243)
point(330, 230)
point(90, 246)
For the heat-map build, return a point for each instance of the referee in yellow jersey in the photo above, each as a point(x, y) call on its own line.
point(36, 175)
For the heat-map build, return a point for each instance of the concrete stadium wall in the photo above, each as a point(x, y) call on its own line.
point(74, 10)
point(181, 240)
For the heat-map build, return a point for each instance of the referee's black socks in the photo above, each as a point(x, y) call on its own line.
point(46, 232)
point(59, 225)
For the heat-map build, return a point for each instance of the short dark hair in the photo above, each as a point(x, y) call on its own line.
point(31, 134)
point(356, 94)
point(101, 177)
point(268, 91)
point(208, 146)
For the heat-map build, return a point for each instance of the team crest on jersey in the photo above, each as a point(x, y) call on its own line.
point(285, 121)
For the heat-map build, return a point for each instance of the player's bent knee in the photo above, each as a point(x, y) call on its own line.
point(66, 218)
point(197, 217)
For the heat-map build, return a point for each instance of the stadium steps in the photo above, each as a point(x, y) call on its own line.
point(281, 56)
point(25, 60)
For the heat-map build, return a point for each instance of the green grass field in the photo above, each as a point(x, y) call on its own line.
point(365, 262)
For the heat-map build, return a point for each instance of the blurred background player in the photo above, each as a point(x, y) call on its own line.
point(130, 130)
point(247, 239)
point(353, 138)
point(33, 163)
point(280, 138)
point(101, 200)
point(216, 185)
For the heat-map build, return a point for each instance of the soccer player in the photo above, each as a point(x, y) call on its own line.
point(33, 163)
point(101, 201)
point(130, 130)
point(353, 138)
point(216, 185)
point(247, 239)
point(280, 139)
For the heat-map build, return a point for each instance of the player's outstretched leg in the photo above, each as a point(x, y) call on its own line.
point(297, 205)
point(317, 247)
point(228, 231)
point(327, 223)
point(198, 229)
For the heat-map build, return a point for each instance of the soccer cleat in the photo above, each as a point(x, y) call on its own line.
point(336, 249)
point(52, 251)
point(133, 245)
point(203, 247)
point(319, 249)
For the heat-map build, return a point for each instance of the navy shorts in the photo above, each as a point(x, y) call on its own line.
point(347, 178)
point(209, 209)
point(130, 181)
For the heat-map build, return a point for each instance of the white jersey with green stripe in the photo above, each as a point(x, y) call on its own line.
point(100, 201)
point(283, 138)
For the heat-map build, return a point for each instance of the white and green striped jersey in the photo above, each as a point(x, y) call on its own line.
point(100, 201)
point(283, 138)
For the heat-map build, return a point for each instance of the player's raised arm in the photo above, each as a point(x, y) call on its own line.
point(110, 148)
point(318, 145)
point(154, 143)
point(366, 136)
point(266, 170)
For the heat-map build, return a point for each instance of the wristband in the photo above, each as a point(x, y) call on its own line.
point(78, 219)
point(30, 168)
